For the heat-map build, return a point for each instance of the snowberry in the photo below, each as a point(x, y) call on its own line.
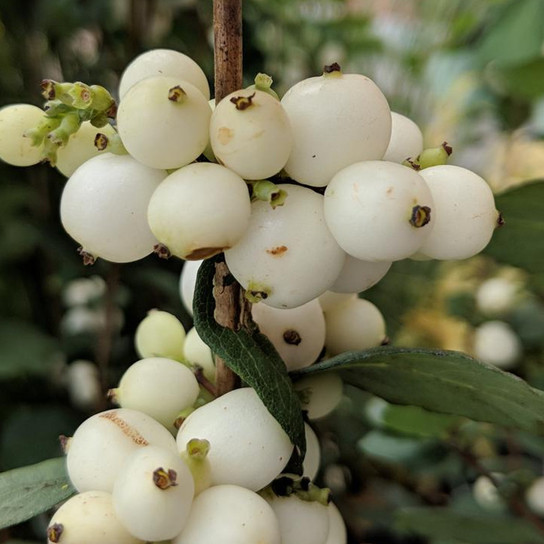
point(159, 387)
point(378, 210)
point(534, 496)
point(496, 296)
point(464, 213)
point(153, 493)
point(298, 334)
point(337, 526)
point(166, 63)
point(104, 207)
point(250, 134)
point(160, 334)
point(406, 139)
point(200, 210)
point(320, 394)
point(88, 518)
point(337, 120)
point(80, 147)
point(83, 384)
point(301, 521)
point(187, 282)
point(357, 276)
point(486, 493)
point(15, 148)
point(329, 299)
point(248, 447)
point(229, 514)
point(197, 352)
point(496, 343)
point(102, 443)
point(163, 122)
point(312, 459)
point(287, 256)
point(354, 325)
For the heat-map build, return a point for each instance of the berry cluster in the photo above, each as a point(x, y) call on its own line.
point(310, 197)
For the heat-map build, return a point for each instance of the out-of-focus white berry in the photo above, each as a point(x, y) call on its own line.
point(534, 496)
point(83, 384)
point(82, 291)
point(496, 296)
point(301, 521)
point(487, 495)
point(248, 447)
point(160, 334)
point(312, 460)
point(406, 139)
point(496, 343)
point(320, 394)
point(197, 352)
point(354, 325)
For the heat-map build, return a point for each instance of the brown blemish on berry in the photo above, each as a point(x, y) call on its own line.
point(54, 532)
point(277, 251)
point(204, 252)
point(225, 135)
point(125, 428)
point(243, 102)
point(500, 220)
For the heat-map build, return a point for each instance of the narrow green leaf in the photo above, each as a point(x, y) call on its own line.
point(470, 528)
point(518, 241)
point(449, 382)
point(29, 491)
point(250, 356)
point(524, 80)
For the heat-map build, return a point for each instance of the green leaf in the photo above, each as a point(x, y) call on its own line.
point(411, 420)
point(516, 36)
point(469, 528)
point(518, 241)
point(29, 491)
point(524, 81)
point(250, 356)
point(449, 382)
point(25, 350)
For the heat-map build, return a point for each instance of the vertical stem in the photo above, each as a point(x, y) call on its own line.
point(227, 31)
point(227, 27)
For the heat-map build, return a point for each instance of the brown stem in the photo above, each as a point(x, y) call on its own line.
point(515, 503)
point(105, 337)
point(227, 31)
point(229, 299)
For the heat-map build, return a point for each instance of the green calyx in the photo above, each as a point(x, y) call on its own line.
point(301, 487)
point(263, 82)
point(256, 292)
point(195, 457)
point(267, 191)
point(433, 156)
point(68, 106)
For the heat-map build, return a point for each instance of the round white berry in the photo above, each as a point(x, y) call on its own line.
point(166, 63)
point(357, 275)
point(312, 460)
point(378, 210)
point(464, 213)
point(406, 139)
point(104, 207)
point(187, 282)
point(197, 352)
point(160, 334)
point(248, 447)
point(287, 256)
point(337, 120)
point(250, 134)
point(298, 334)
point(229, 514)
point(200, 210)
point(496, 343)
point(320, 394)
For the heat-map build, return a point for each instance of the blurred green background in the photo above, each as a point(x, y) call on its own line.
point(467, 71)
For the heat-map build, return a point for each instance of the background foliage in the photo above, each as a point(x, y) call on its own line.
point(468, 71)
